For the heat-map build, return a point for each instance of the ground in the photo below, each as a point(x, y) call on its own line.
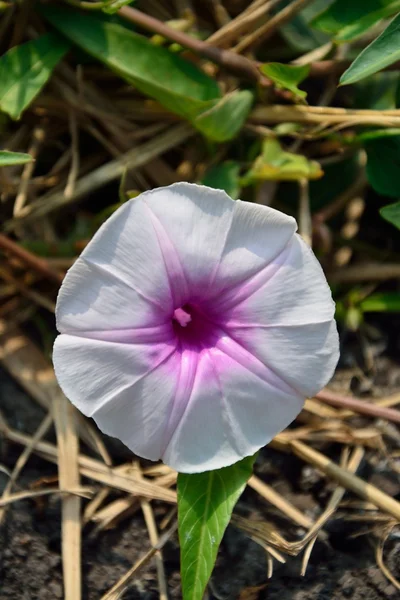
point(342, 565)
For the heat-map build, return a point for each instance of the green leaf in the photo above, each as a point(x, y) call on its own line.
point(224, 118)
point(275, 164)
point(205, 504)
point(25, 69)
point(14, 158)
point(224, 176)
point(287, 76)
point(347, 20)
point(153, 70)
point(391, 213)
point(382, 52)
point(383, 165)
point(385, 302)
point(176, 83)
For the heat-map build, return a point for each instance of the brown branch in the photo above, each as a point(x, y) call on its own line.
point(359, 406)
point(241, 66)
point(237, 64)
point(31, 260)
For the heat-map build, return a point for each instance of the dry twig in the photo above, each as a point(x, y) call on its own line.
point(68, 470)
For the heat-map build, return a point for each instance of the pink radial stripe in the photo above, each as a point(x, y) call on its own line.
point(138, 335)
point(188, 362)
point(235, 324)
point(117, 392)
point(231, 297)
point(175, 273)
point(240, 354)
point(110, 271)
point(235, 437)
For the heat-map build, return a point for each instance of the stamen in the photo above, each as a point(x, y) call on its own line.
point(182, 317)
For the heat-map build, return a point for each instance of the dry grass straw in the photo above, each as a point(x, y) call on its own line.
point(22, 460)
point(27, 365)
point(345, 478)
point(379, 554)
point(151, 525)
point(326, 116)
point(281, 503)
point(111, 514)
point(97, 471)
point(80, 492)
point(120, 587)
point(105, 174)
point(243, 22)
point(267, 29)
point(267, 535)
point(352, 465)
point(69, 477)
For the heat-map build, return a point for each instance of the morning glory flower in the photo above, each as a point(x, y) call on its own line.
point(193, 327)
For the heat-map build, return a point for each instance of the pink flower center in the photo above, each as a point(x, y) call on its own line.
point(182, 316)
point(193, 328)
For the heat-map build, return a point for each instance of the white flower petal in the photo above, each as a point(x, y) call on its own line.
point(232, 412)
point(258, 234)
point(128, 389)
point(92, 299)
point(291, 290)
point(305, 357)
point(192, 222)
point(120, 279)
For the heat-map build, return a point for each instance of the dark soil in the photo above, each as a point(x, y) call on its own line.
point(341, 567)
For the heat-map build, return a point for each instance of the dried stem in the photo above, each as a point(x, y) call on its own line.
point(269, 494)
point(346, 479)
point(305, 224)
point(359, 406)
point(241, 23)
point(118, 589)
point(324, 115)
point(269, 28)
point(74, 170)
point(31, 260)
point(106, 173)
point(69, 477)
point(38, 139)
point(94, 469)
point(23, 458)
point(239, 65)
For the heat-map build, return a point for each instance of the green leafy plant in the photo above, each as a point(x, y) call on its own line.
point(349, 20)
point(391, 213)
point(174, 82)
point(287, 77)
point(224, 176)
point(275, 164)
point(8, 159)
point(205, 504)
point(383, 164)
point(382, 52)
point(25, 69)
